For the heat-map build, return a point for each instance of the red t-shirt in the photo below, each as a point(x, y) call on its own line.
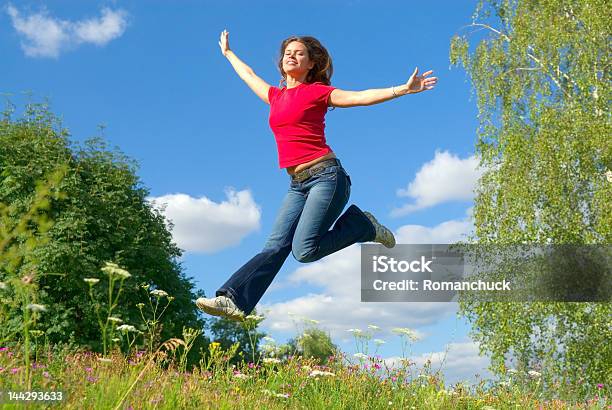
point(297, 119)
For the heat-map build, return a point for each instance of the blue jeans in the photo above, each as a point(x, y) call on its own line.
point(302, 227)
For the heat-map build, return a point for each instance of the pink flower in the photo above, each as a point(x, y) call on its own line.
point(14, 370)
point(91, 379)
point(377, 366)
point(600, 386)
point(251, 365)
point(88, 369)
point(46, 374)
point(393, 378)
point(3, 349)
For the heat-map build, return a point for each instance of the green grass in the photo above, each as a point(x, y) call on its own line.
point(153, 382)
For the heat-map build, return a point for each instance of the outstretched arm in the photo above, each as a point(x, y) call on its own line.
point(415, 84)
point(259, 86)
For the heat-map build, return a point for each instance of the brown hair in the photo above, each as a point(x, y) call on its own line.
point(323, 68)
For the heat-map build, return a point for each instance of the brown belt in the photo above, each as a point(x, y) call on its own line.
point(313, 170)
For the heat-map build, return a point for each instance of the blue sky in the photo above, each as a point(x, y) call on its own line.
point(153, 74)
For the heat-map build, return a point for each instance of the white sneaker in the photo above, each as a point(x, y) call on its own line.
point(383, 234)
point(220, 306)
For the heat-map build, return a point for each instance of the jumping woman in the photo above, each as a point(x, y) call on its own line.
point(319, 187)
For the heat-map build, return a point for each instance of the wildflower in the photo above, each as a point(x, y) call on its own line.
point(241, 376)
point(88, 369)
point(112, 269)
point(512, 371)
point(36, 308)
point(274, 394)
point(404, 331)
point(140, 305)
point(115, 319)
point(377, 366)
point(126, 328)
point(171, 298)
point(373, 327)
point(533, 374)
point(379, 341)
point(116, 339)
point(609, 175)
point(316, 373)
point(3, 285)
point(46, 375)
point(158, 293)
point(355, 331)
point(92, 281)
point(269, 360)
point(92, 379)
point(37, 333)
point(15, 370)
point(361, 356)
point(600, 386)
point(104, 360)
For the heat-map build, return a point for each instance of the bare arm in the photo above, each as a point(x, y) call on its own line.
point(259, 86)
point(415, 84)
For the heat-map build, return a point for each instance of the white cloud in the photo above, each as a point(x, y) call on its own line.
point(446, 232)
point(201, 225)
point(338, 305)
point(445, 178)
point(46, 36)
point(459, 362)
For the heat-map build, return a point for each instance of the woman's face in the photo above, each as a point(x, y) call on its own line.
point(296, 60)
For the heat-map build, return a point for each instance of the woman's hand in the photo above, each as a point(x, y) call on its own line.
point(224, 42)
point(417, 83)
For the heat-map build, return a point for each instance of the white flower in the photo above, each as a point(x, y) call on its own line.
point(316, 373)
point(404, 331)
point(116, 339)
point(36, 308)
point(609, 175)
point(115, 319)
point(355, 331)
point(512, 371)
point(105, 360)
point(274, 394)
point(379, 341)
point(533, 374)
point(254, 317)
point(126, 328)
point(159, 293)
point(361, 356)
point(92, 281)
point(242, 376)
point(373, 327)
point(3, 285)
point(271, 360)
point(114, 269)
point(307, 368)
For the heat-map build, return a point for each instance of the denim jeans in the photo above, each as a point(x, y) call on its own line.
point(302, 228)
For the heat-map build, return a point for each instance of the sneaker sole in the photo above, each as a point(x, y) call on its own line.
point(214, 311)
